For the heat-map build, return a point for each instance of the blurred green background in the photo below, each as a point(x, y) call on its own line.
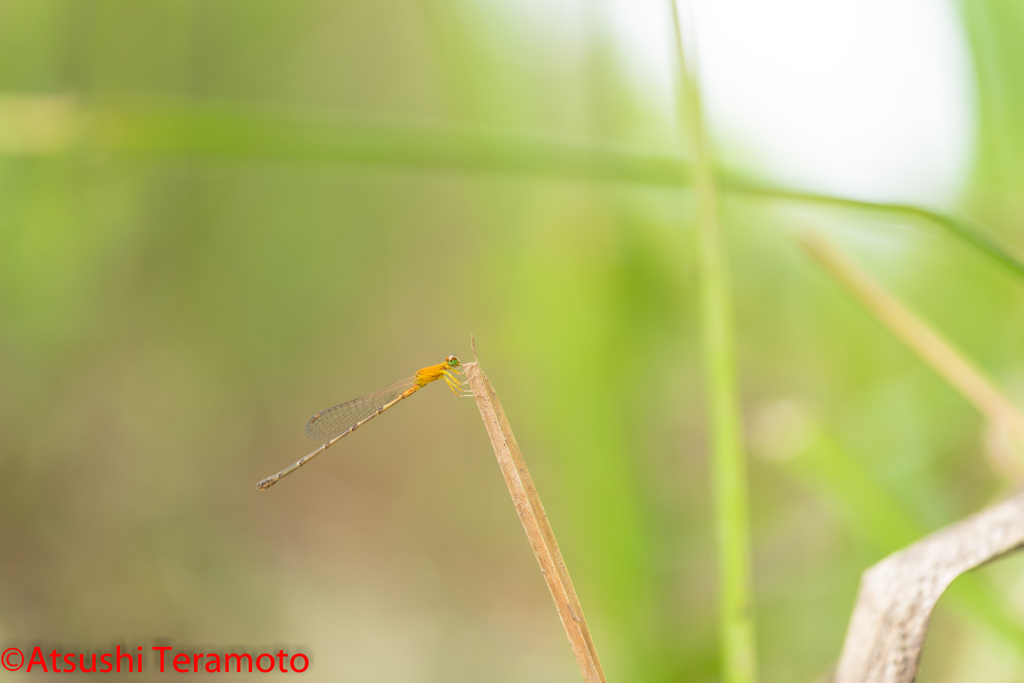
point(218, 217)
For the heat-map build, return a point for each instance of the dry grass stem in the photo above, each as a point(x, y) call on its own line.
point(897, 595)
point(928, 345)
point(535, 523)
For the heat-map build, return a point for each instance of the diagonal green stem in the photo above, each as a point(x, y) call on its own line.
point(736, 613)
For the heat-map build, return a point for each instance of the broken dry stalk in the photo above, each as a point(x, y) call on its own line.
point(897, 595)
point(535, 523)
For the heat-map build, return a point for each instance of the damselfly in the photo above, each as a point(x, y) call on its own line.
point(335, 423)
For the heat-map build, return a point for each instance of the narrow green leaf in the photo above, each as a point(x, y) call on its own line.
point(729, 467)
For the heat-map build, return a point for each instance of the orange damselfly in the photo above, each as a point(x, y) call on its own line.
point(335, 423)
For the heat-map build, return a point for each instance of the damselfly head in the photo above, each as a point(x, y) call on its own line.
point(452, 361)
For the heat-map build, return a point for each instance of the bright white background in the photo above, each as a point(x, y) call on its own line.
point(862, 98)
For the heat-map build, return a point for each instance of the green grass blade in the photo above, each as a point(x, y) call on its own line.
point(226, 131)
point(729, 468)
point(48, 124)
point(959, 227)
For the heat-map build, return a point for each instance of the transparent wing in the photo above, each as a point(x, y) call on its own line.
point(329, 423)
